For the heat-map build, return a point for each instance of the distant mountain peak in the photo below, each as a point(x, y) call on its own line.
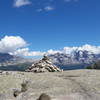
point(75, 57)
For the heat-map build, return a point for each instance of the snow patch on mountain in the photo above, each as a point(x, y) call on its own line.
point(70, 50)
point(87, 47)
point(86, 54)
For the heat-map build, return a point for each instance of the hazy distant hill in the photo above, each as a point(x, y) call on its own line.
point(14, 63)
point(7, 59)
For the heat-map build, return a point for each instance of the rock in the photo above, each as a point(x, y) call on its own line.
point(1, 72)
point(44, 65)
point(24, 86)
point(44, 96)
point(16, 93)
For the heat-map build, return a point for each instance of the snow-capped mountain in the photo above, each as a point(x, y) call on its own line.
point(69, 56)
point(75, 57)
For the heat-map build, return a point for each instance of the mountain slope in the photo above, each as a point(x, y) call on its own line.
point(95, 65)
point(13, 63)
point(77, 57)
point(7, 59)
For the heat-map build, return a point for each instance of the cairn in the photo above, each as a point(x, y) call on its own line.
point(44, 65)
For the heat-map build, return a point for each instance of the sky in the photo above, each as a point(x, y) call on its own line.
point(42, 25)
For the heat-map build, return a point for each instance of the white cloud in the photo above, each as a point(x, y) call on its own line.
point(16, 45)
point(11, 43)
point(48, 8)
point(27, 52)
point(53, 51)
point(19, 3)
point(87, 47)
point(70, 50)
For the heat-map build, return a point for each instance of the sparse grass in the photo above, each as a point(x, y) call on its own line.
point(24, 86)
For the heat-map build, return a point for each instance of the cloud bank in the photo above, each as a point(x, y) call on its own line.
point(16, 45)
point(86, 47)
point(70, 50)
point(19, 3)
point(11, 43)
point(27, 52)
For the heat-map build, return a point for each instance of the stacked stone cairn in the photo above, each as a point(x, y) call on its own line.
point(44, 65)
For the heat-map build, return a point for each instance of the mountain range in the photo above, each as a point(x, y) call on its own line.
point(74, 60)
point(14, 63)
point(7, 59)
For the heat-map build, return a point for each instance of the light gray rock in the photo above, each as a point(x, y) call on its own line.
point(44, 65)
point(69, 85)
point(44, 96)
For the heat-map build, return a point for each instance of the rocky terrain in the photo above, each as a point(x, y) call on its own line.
point(44, 65)
point(75, 57)
point(67, 85)
point(52, 82)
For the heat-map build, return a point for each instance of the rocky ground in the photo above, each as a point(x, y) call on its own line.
point(67, 85)
point(44, 65)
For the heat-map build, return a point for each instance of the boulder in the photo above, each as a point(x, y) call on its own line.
point(44, 96)
point(44, 65)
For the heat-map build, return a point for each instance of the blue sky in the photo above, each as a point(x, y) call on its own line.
point(51, 24)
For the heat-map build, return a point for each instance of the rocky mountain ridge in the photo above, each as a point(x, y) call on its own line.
point(74, 58)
